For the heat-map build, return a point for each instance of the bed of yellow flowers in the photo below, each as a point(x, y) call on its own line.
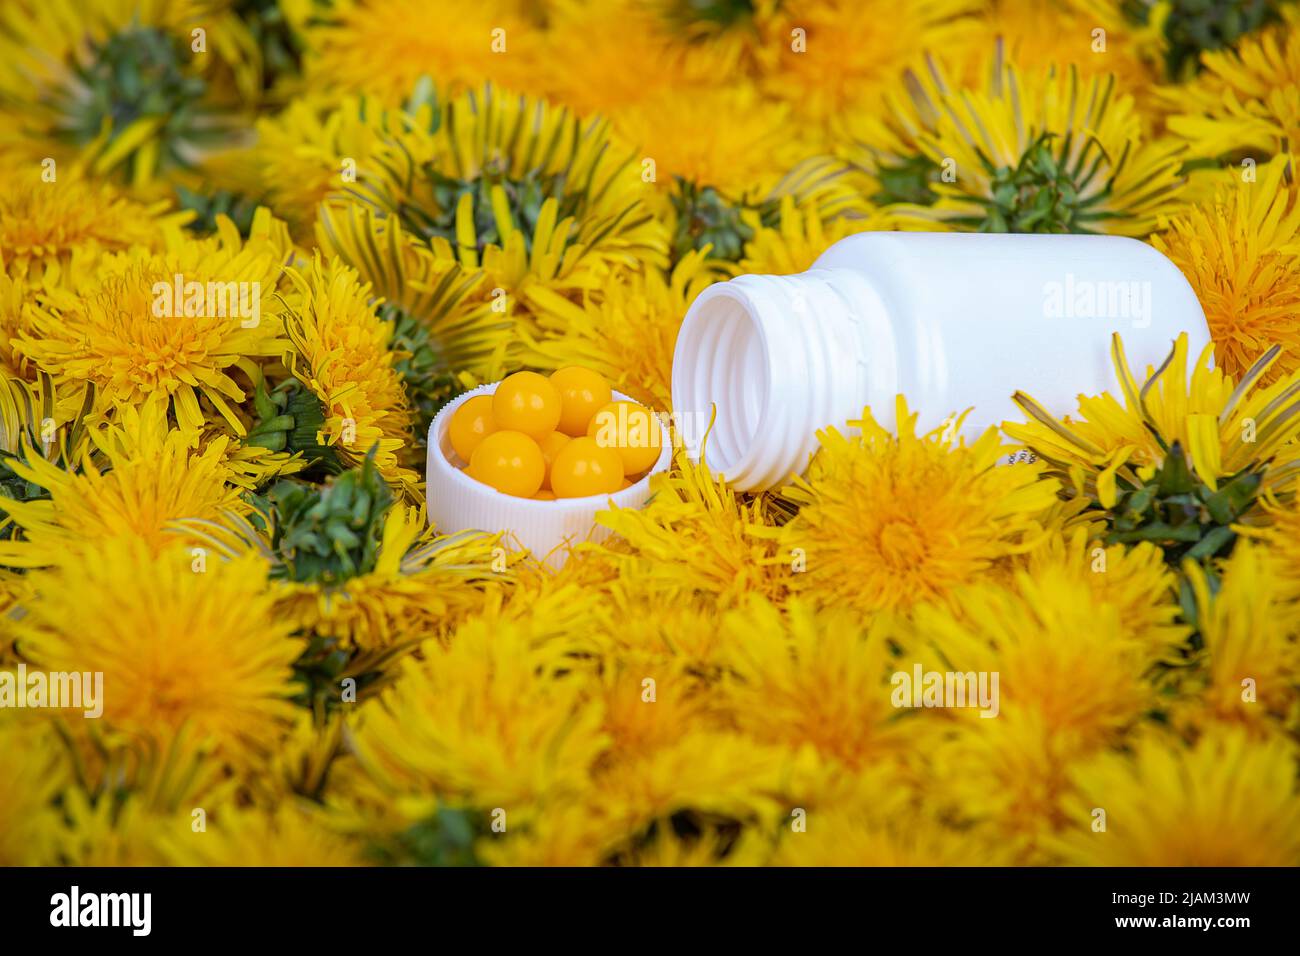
point(221, 511)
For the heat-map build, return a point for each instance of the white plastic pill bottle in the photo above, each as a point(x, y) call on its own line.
point(950, 320)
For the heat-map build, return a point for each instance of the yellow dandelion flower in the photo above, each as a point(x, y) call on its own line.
point(1226, 801)
point(719, 222)
point(105, 832)
point(1241, 253)
point(1042, 169)
point(101, 836)
point(1060, 697)
point(1246, 98)
point(1176, 36)
point(1132, 578)
point(250, 465)
point(1183, 459)
point(716, 183)
point(116, 825)
point(159, 628)
point(612, 56)
point(1040, 151)
point(1093, 35)
point(807, 678)
point(885, 523)
point(477, 723)
point(629, 335)
point(36, 770)
point(1280, 534)
point(1002, 779)
point(800, 235)
point(307, 152)
point(637, 729)
point(833, 57)
point(47, 225)
point(1031, 635)
point(13, 324)
point(695, 537)
point(358, 573)
point(114, 85)
point(710, 775)
point(566, 619)
point(884, 789)
point(1250, 662)
point(341, 354)
point(291, 834)
point(37, 426)
point(679, 130)
point(542, 201)
point(641, 627)
point(601, 59)
point(422, 583)
point(1164, 410)
point(147, 477)
point(384, 47)
point(840, 838)
point(732, 35)
point(716, 846)
point(443, 328)
point(563, 833)
point(308, 762)
point(13, 591)
point(132, 333)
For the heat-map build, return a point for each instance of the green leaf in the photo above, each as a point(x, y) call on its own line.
point(1174, 475)
point(1213, 541)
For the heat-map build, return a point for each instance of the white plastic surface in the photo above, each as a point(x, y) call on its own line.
point(950, 320)
point(457, 502)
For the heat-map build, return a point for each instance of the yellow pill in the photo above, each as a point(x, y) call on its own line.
point(470, 424)
point(630, 429)
point(551, 446)
point(583, 468)
point(510, 462)
point(526, 402)
point(582, 393)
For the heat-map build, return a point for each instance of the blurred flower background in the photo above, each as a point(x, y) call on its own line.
point(225, 517)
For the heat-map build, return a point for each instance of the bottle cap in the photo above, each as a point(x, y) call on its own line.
point(546, 528)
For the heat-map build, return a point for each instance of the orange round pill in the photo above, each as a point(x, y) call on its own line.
point(470, 424)
point(583, 468)
point(526, 402)
point(551, 446)
point(632, 430)
point(510, 462)
point(582, 393)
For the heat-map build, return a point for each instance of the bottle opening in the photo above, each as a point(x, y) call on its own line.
point(721, 359)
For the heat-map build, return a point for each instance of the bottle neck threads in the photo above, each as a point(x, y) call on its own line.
point(779, 357)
